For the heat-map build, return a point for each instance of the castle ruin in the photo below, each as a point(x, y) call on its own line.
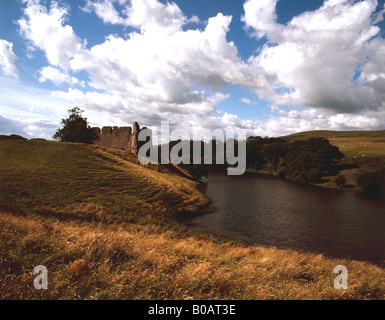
point(126, 138)
point(123, 138)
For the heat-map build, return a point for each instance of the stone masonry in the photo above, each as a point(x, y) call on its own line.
point(124, 138)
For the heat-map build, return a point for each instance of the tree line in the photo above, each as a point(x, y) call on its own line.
point(304, 161)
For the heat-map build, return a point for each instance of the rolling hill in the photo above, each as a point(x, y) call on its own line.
point(102, 225)
point(380, 134)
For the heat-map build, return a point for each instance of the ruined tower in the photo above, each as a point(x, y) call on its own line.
point(123, 138)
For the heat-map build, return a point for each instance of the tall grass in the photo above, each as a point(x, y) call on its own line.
point(102, 226)
point(95, 261)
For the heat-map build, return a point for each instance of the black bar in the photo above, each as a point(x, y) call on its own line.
point(194, 309)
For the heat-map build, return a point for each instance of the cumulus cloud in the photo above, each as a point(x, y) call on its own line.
point(58, 77)
point(260, 17)
point(7, 59)
point(142, 14)
point(106, 11)
point(330, 61)
point(46, 30)
point(331, 58)
point(161, 70)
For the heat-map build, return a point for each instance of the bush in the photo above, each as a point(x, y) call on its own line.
point(340, 181)
point(369, 184)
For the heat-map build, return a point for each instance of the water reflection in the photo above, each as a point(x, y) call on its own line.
point(273, 212)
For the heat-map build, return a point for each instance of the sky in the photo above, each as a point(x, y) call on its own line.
point(270, 67)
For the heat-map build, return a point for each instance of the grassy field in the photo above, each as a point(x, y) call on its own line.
point(103, 226)
point(366, 149)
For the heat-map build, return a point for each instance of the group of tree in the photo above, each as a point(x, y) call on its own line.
point(304, 161)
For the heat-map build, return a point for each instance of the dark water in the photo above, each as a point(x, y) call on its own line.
point(269, 211)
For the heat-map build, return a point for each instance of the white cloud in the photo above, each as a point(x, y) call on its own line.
point(106, 11)
point(248, 101)
point(260, 16)
point(317, 56)
point(7, 59)
point(20, 100)
point(27, 128)
point(146, 14)
point(160, 72)
point(58, 77)
point(142, 14)
point(164, 71)
point(46, 31)
point(329, 61)
point(11, 126)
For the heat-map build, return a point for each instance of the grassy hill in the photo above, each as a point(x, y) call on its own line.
point(366, 149)
point(103, 226)
point(42, 177)
point(335, 134)
point(351, 143)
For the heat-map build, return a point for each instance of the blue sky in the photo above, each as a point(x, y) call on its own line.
point(270, 67)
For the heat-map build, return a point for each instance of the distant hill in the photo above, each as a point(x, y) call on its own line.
point(335, 134)
point(11, 137)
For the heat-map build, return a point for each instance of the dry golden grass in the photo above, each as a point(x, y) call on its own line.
point(130, 262)
point(101, 225)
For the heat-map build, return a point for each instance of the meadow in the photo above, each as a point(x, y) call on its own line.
point(104, 226)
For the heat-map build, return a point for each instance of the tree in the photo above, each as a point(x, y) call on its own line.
point(305, 161)
point(315, 156)
point(75, 128)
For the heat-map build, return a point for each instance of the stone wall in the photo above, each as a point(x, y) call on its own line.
point(124, 138)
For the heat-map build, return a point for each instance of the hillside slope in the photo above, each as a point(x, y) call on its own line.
point(94, 218)
point(329, 134)
point(52, 178)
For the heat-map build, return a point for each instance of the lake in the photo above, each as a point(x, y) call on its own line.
point(269, 211)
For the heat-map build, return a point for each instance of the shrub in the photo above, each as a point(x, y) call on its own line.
point(369, 184)
point(340, 181)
